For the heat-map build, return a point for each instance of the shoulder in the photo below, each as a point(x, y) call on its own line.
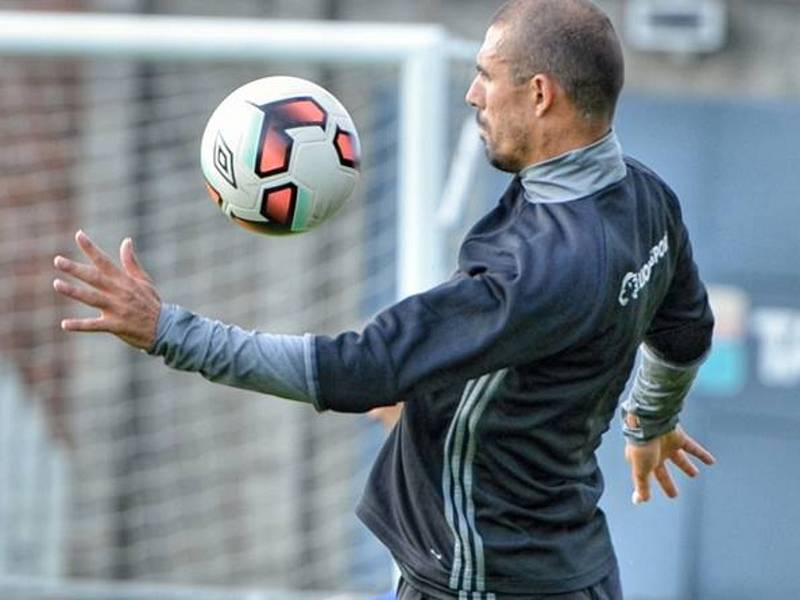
point(640, 169)
point(647, 176)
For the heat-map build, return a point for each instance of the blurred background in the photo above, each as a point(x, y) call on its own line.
point(120, 479)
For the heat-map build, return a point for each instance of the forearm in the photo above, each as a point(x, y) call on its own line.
point(279, 365)
point(657, 396)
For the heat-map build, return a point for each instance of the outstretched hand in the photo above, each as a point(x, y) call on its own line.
point(651, 459)
point(128, 302)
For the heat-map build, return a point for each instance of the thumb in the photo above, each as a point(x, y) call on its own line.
point(640, 476)
point(639, 496)
point(130, 262)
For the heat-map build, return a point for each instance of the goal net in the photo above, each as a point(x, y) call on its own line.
point(113, 467)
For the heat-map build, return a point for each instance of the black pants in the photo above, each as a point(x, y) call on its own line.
point(608, 589)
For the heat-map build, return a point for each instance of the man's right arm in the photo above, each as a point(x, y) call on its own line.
point(131, 308)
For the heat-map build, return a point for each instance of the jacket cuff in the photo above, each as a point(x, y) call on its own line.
point(656, 398)
point(166, 317)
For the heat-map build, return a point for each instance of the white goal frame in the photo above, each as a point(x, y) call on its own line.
point(421, 51)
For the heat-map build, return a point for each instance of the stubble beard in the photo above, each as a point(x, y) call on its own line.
point(500, 163)
point(507, 164)
point(513, 160)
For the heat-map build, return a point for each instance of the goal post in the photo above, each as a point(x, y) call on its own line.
point(160, 479)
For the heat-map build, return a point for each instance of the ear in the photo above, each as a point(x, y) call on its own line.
point(543, 93)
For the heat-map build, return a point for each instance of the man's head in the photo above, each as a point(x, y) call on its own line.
point(549, 75)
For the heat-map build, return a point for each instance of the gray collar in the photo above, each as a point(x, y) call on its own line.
point(575, 174)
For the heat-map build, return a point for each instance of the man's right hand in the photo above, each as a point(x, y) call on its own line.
point(651, 458)
point(128, 302)
point(387, 415)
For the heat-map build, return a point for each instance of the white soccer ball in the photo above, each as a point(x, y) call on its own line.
point(280, 155)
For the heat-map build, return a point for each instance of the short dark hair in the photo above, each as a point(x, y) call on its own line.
point(572, 40)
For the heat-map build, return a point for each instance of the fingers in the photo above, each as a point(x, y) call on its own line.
point(126, 297)
point(649, 458)
point(695, 449)
point(684, 464)
point(100, 259)
point(86, 273)
point(87, 325)
point(88, 296)
point(130, 262)
point(665, 479)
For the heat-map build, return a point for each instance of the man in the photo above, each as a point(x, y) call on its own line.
point(511, 370)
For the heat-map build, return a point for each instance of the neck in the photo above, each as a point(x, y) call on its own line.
point(561, 140)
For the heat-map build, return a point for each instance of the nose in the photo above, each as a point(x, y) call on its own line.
point(473, 94)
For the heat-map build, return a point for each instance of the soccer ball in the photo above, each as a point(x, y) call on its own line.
point(280, 155)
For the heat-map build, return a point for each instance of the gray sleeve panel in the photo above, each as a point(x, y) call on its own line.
point(261, 362)
point(656, 397)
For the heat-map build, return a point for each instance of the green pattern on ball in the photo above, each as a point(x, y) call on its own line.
point(302, 210)
point(250, 149)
